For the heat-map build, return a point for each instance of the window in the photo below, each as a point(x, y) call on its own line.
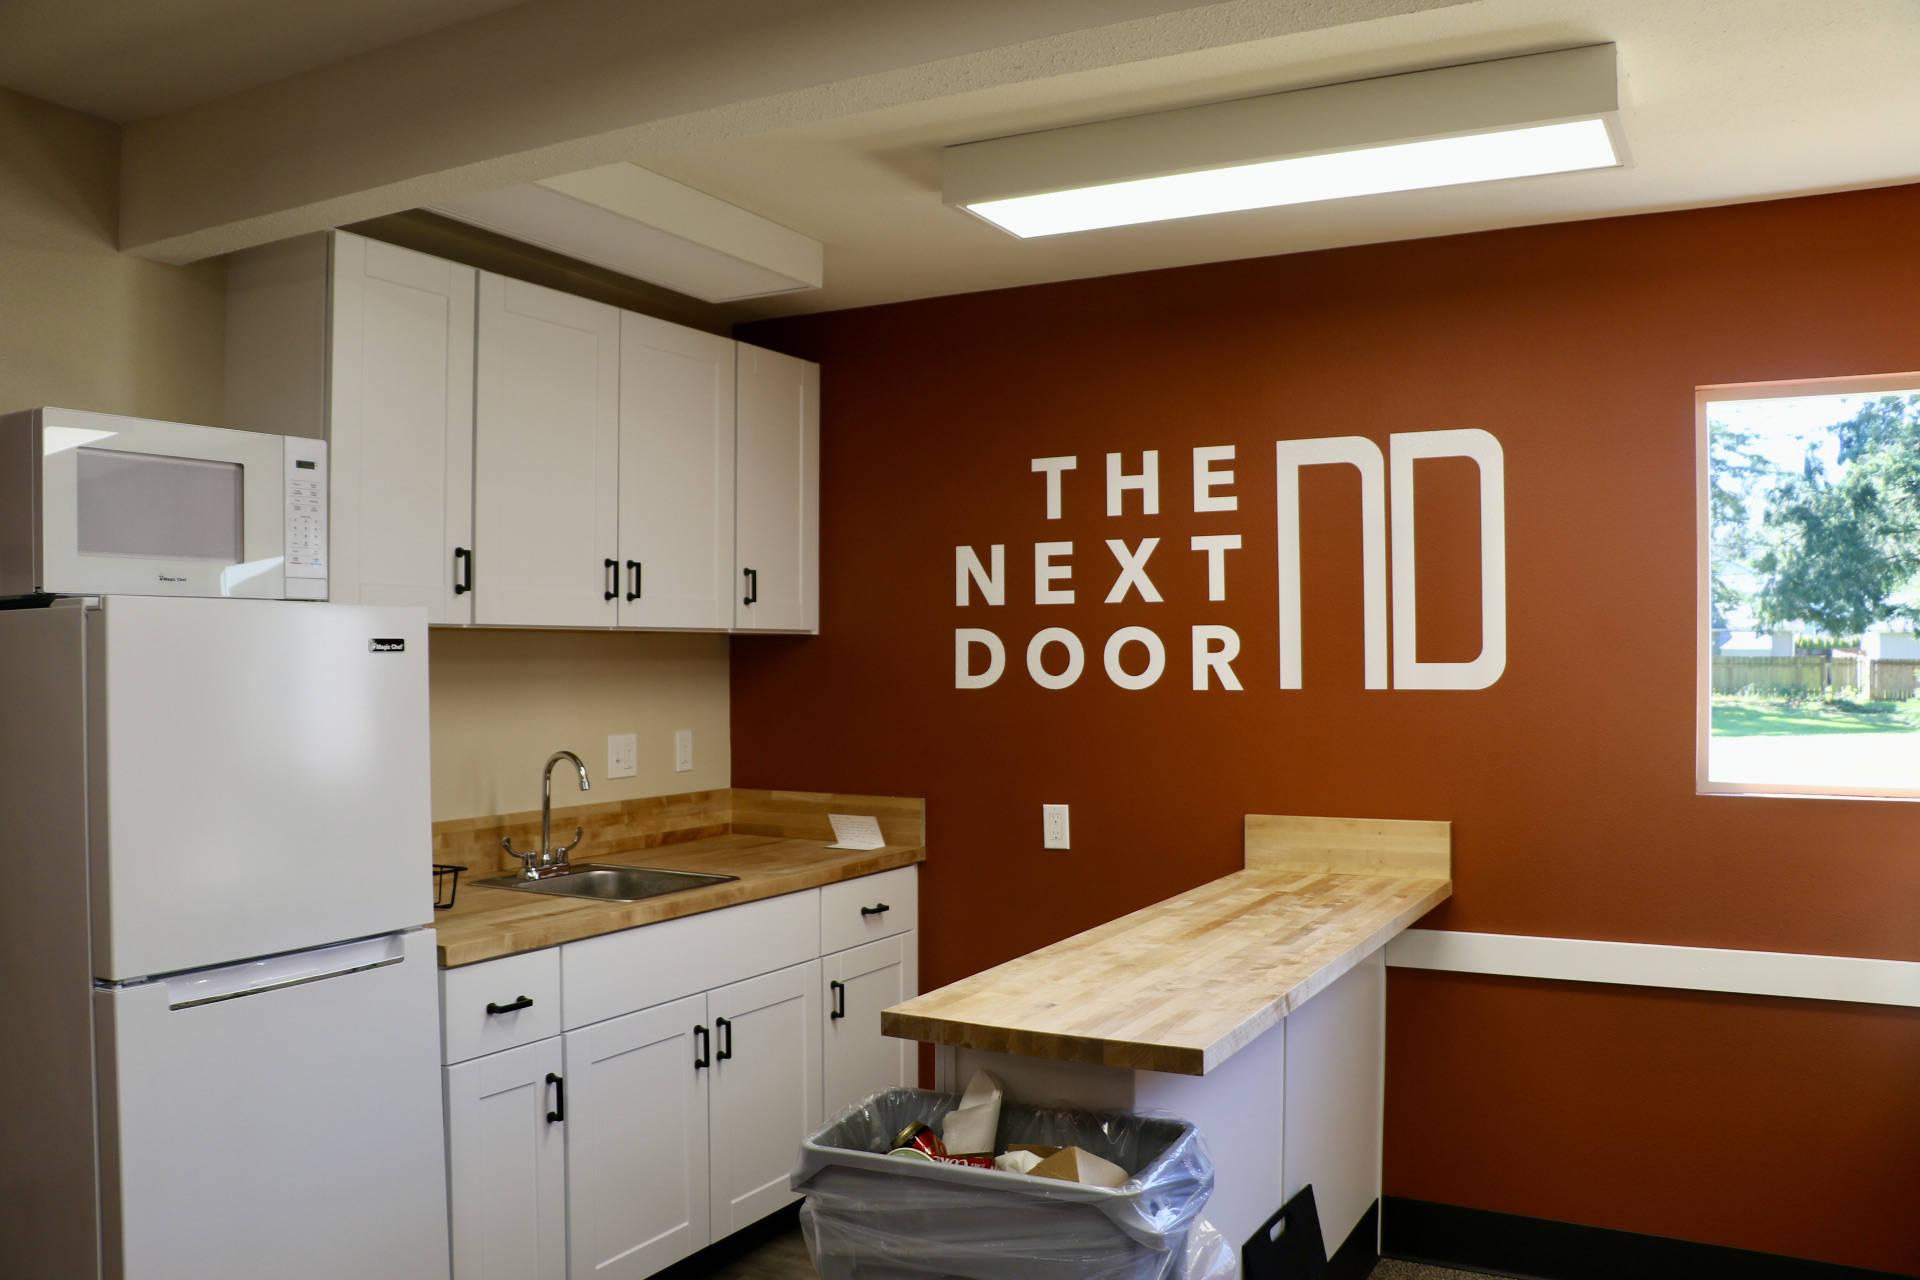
point(1809, 532)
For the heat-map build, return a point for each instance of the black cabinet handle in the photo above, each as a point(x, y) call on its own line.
point(726, 1050)
point(524, 1002)
point(877, 909)
point(559, 1111)
point(462, 570)
point(613, 579)
point(839, 990)
point(706, 1045)
point(753, 586)
point(633, 580)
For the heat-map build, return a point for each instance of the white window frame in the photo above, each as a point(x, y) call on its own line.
point(1875, 384)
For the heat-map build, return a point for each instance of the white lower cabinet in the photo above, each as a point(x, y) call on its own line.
point(637, 1153)
point(506, 1156)
point(856, 1060)
point(766, 1090)
point(694, 1056)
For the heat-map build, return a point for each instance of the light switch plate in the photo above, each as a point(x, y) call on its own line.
point(623, 755)
point(682, 750)
point(1053, 823)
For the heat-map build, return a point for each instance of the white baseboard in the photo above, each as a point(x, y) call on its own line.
point(1639, 964)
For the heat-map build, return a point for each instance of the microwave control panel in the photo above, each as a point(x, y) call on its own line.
point(306, 507)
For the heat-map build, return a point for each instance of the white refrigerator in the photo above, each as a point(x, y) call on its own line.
point(221, 1041)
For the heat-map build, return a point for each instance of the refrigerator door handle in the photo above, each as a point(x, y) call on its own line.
point(277, 973)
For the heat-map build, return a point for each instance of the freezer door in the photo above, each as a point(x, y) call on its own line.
point(260, 779)
point(276, 1120)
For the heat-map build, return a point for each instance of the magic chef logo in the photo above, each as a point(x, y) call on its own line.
point(386, 646)
point(1136, 657)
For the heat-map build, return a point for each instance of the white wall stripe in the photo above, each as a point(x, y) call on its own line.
point(1639, 964)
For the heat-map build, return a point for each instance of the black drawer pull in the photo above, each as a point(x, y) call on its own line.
point(706, 1044)
point(463, 561)
point(753, 586)
point(559, 1111)
point(524, 1002)
point(633, 580)
point(878, 909)
point(613, 579)
point(839, 990)
point(726, 1050)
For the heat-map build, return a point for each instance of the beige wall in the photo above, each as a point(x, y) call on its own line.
point(81, 324)
point(503, 701)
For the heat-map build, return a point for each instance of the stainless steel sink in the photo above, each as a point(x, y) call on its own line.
point(605, 883)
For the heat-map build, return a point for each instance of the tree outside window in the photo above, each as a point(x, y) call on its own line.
point(1811, 587)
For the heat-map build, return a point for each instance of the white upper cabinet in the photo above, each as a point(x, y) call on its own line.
point(676, 476)
point(777, 544)
point(546, 453)
point(504, 454)
point(401, 425)
point(369, 347)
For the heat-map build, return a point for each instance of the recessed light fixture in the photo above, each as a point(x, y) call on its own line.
point(1513, 118)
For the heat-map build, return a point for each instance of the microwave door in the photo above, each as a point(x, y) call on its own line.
point(134, 507)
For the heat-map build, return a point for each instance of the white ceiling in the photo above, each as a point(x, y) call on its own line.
point(136, 59)
point(1722, 101)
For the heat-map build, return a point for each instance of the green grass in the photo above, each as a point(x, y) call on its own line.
point(1736, 716)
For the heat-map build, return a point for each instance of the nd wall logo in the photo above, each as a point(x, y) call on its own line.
point(1386, 485)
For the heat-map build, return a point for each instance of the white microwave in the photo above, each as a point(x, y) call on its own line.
point(96, 504)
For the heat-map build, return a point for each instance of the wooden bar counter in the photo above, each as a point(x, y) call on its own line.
point(1252, 1006)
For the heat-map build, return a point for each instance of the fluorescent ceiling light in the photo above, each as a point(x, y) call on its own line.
point(1518, 117)
point(1407, 166)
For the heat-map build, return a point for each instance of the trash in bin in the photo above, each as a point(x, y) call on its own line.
point(872, 1216)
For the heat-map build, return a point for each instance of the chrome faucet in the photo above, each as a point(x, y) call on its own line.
point(547, 860)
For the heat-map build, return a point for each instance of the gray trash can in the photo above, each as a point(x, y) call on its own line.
point(871, 1216)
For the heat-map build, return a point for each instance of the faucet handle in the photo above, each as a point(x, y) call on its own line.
point(560, 854)
point(526, 859)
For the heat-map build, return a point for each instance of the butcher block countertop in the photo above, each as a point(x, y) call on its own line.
point(786, 854)
point(1184, 984)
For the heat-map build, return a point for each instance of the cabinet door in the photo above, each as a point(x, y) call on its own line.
point(546, 445)
point(637, 1147)
point(858, 1061)
point(676, 476)
point(778, 489)
point(766, 1090)
point(400, 412)
point(506, 1161)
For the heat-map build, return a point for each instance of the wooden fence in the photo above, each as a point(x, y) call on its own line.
point(1891, 679)
point(1880, 679)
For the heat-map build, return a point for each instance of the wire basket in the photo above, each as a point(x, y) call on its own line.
point(446, 882)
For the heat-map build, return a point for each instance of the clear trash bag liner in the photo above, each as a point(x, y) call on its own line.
point(872, 1216)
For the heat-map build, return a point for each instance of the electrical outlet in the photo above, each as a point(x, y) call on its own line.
point(1053, 821)
point(623, 755)
point(682, 750)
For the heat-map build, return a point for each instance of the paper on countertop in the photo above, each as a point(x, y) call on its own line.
point(855, 831)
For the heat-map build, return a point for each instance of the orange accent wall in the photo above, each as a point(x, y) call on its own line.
point(1787, 1126)
point(1569, 781)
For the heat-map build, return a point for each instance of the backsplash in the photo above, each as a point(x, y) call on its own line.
point(621, 826)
